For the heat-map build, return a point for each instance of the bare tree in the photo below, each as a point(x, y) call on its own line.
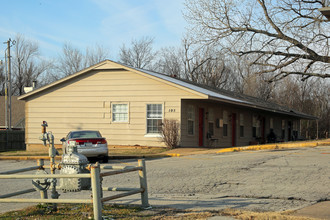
point(26, 64)
point(281, 34)
point(248, 82)
point(95, 55)
point(196, 63)
point(205, 65)
point(170, 133)
point(139, 54)
point(311, 96)
point(169, 62)
point(73, 60)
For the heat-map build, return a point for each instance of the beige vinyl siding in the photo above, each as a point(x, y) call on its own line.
point(84, 102)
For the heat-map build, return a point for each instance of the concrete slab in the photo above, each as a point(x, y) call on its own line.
point(320, 210)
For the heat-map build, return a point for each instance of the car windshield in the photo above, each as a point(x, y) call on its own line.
point(85, 134)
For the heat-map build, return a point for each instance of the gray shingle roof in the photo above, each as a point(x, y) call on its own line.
point(230, 96)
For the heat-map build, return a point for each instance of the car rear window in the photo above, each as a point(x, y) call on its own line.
point(85, 134)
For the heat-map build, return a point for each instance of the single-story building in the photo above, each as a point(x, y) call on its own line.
point(127, 105)
point(17, 113)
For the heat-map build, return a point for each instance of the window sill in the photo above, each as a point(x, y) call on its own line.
point(120, 122)
point(153, 135)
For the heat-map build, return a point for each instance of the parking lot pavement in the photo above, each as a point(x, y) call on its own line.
point(273, 180)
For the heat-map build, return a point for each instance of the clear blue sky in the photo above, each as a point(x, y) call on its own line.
point(83, 23)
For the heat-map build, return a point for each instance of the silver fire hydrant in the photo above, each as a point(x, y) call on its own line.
point(74, 163)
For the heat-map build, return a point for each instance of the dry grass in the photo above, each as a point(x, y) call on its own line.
point(113, 151)
point(75, 211)
point(25, 153)
point(135, 151)
point(249, 215)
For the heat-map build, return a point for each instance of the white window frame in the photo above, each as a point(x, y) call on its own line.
point(271, 123)
point(295, 125)
point(225, 122)
point(256, 125)
point(241, 124)
point(283, 124)
point(162, 117)
point(191, 118)
point(113, 112)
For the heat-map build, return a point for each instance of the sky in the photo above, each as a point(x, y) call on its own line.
point(84, 23)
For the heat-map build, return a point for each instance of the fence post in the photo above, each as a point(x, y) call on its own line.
point(143, 183)
point(96, 191)
point(43, 193)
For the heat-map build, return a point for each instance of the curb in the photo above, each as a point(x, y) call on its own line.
point(173, 155)
point(156, 156)
point(27, 157)
point(274, 146)
point(110, 157)
point(164, 155)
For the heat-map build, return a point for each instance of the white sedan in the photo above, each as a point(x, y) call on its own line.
point(89, 143)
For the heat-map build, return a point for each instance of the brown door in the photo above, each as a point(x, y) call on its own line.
point(201, 127)
point(233, 129)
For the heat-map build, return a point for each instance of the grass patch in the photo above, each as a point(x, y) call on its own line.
point(132, 151)
point(110, 211)
point(71, 211)
point(77, 211)
point(24, 153)
point(247, 215)
point(136, 151)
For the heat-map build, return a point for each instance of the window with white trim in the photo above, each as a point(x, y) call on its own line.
point(271, 123)
point(154, 118)
point(255, 126)
point(191, 120)
point(211, 115)
point(241, 125)
point(211, 123)
point(225, 124)
point(119, 112)
point(295, 129)
point(283, 129)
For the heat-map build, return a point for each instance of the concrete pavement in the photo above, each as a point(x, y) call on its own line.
point(318, 210)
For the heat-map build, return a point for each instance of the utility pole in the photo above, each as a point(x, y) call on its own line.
point(6, 110)
point(9, 44)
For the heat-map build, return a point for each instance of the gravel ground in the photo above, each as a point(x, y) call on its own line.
point(258, 180)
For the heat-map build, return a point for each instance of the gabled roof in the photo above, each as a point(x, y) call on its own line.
point(204, 91)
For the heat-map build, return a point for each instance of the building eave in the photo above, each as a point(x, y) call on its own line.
point(254, 106)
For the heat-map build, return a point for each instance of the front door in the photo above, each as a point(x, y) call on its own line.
point(201, 127)
point(233, 129)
